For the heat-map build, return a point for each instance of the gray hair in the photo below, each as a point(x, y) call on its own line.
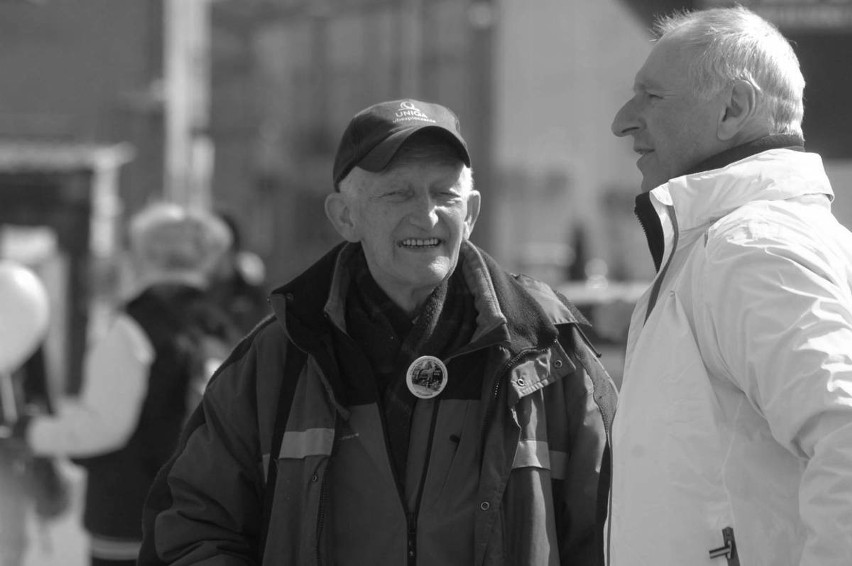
point(737, 44)
point(170, 239)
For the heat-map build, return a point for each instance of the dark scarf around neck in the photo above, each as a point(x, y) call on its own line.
point(444, 323)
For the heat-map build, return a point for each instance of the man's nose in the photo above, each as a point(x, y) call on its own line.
point(424, 211)
point(625, 121)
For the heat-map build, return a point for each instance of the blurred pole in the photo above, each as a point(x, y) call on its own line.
point(411, 40)
point(188, 147)
point(479, 128)
point(8, 404)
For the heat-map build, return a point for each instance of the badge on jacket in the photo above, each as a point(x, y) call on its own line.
point(426, 377)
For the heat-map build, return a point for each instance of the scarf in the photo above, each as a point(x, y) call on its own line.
point(391, 341)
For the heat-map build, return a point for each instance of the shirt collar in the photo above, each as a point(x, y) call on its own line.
point(774, 141)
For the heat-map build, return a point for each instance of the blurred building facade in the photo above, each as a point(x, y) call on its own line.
point(536, 85)
point(305, 68)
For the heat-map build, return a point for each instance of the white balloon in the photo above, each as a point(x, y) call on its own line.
point(24, 314)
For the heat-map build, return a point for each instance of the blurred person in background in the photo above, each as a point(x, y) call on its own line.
point(733, 442)
point(411, 402)
point(238, 282)
point(27, 483)
point(137, 388)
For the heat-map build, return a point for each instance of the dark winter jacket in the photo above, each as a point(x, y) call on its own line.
point(527, 486)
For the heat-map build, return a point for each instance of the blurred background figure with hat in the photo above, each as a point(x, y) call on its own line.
point(139, 376)
point(238, 283)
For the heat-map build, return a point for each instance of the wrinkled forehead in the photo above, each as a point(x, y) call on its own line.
point(414, 172)
point(428, 147)
point(667, 65)
point(447, 172)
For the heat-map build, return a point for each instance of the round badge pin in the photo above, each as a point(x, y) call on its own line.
point(426, 377)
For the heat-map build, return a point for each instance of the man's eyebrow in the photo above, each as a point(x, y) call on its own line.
point(649, 85)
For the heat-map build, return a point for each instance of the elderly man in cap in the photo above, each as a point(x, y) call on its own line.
point(409, 403)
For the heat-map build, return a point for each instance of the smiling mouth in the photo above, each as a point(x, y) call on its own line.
point(419, 243)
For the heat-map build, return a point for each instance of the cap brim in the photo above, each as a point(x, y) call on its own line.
point(380, 156)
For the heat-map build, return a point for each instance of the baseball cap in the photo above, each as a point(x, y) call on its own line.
point(375, 134)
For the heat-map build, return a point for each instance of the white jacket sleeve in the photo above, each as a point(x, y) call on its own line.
point(105, 415)
point(781, 312)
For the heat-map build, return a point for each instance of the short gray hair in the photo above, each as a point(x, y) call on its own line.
point(737, 44)
point(170, 238)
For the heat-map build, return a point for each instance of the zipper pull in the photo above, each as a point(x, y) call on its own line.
point(729, 550)
point(412, 538)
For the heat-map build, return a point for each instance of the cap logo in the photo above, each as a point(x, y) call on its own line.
point(408, 111)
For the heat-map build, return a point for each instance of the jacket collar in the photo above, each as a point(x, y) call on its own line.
point(775, 141)
point(775, 171)
point(514, 311)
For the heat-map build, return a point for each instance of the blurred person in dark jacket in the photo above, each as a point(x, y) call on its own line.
point(138, 376)
point(238, 282)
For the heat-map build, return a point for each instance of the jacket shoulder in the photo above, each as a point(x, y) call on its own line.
point(558, 308)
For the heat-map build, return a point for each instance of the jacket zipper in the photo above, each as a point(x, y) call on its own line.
point(321, 518)
point(412, 538)
point(323, 502)
point(729, 549)
point(411, 517)
point(658, 282)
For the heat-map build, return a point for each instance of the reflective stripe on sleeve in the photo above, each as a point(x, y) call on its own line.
point(107, 548)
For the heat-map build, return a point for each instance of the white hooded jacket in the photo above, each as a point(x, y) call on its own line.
point(735, 416)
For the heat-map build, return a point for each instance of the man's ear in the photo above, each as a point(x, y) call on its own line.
point(739, 112)
point(338, 210)
point(474, 200)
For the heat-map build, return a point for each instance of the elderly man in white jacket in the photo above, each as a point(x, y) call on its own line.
point(733, 439)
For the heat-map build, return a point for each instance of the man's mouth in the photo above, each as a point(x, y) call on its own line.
point(420, 243)
point(642, 154)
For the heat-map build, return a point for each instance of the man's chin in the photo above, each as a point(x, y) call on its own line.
point(434, 277)
point(650, 183)
point(433, 274)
